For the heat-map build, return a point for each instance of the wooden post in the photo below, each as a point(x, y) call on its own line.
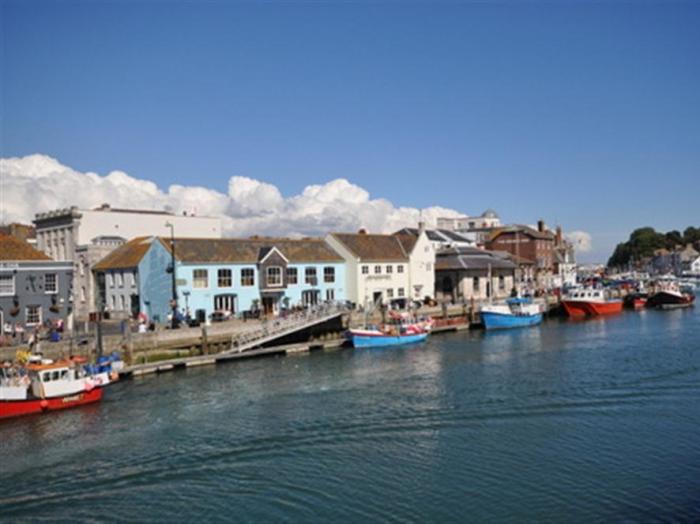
point(205, 341)
point(129, 345)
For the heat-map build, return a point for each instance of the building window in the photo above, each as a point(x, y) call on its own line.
point(274, 276)
point(365, 270)
point(401, 292)
point(330, 294)
point(389, 293)
point(310, 276)
point(33, 315)
point(82, 294)
point(50, 283)
point(429, 266)
point(247, 277)
point(110, 280)
point(225, 278)
point(501, 283)
point(329, 275)
point(122, 300)
point(475, 284)
point(7, 284)
point(200, 278)
point(399, 268)
point(114, 302)
point(292, 276)
point(389, 269)
point(377, 270)
point(120, 279)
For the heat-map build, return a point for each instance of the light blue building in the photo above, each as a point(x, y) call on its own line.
point(233, 276)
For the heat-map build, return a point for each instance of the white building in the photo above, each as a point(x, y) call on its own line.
point(386, 268)
point(476, 228)
point(85, 236)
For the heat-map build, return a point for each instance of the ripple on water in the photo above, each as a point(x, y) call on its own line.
point(595, 421)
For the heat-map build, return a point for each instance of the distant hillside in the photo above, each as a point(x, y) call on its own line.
point(644, 241)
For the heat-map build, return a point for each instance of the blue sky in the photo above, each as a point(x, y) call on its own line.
point(586, 114)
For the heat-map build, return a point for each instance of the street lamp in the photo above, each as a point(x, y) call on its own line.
point(173, 302)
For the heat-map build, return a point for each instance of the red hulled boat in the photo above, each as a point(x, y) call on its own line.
point(47, 386)
point(590, 302)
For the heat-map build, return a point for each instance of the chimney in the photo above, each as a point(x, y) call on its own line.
point(560, 236)
point(421, 227)
point(540, 226)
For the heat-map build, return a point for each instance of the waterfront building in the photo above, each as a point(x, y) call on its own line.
point(463, 274)
point(117, 276)
point(85, 236)
point(440, 238)
point(477, 228)
point(386, 268)
point(33, 288)
point(227, 276)
point(536, 245)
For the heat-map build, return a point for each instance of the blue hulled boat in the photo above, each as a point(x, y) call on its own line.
point(364, 338)
point(515, 313)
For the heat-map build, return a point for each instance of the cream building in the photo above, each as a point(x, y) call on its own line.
point(386, 268)
point(85, 236)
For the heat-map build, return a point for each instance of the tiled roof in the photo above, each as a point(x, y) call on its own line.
point(407, 241)
point(250, 251)
point(126, 256)
point(14, 249)
point(385, 248)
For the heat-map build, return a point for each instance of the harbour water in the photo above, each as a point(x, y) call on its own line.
point(593, 420)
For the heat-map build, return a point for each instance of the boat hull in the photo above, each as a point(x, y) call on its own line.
point(370, 341)
point(493, 320)
point(664, 300)
point(582, 308)
point(18, 408)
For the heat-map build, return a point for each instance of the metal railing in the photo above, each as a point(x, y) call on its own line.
point(271, 329)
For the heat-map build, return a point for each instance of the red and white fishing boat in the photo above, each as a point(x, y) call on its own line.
point(668, 295)
point(45, 386)
point(590, 302)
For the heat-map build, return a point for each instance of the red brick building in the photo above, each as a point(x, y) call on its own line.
point(535, 245)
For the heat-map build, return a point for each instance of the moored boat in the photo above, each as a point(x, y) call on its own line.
point(636, 300)
point(45, 386)
point(515, 313)
point(590, 302)
point(402, 330)
point(669, 295)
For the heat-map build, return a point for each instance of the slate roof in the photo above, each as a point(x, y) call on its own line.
point(250, 250)
point(126, 256)
point(436, 235)
point(14, 249)
point(525, 230)
point(470, 258)
point(380, 248)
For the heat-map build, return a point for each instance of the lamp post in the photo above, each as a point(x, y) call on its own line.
point(173, 302)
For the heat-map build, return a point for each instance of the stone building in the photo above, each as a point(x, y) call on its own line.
point(33, 288)
point(463, 274)
point(85, 236)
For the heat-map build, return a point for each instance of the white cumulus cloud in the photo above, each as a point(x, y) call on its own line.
point(38, 183)
point(581, 241)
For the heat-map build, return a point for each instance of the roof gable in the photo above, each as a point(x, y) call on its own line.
point(385, 248)
point(126, 256)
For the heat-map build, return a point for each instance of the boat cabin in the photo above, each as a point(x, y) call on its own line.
point(56, 380)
